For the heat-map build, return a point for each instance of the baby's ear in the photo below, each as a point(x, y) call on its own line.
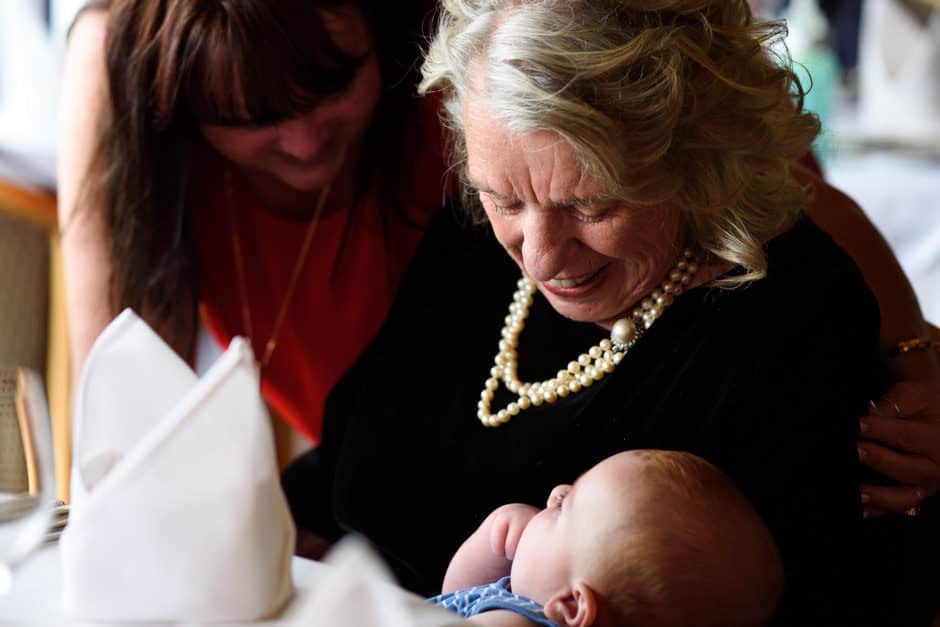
point(573, 607)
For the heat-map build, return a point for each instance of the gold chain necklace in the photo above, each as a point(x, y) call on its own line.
point(299, 265)
point(599, 361)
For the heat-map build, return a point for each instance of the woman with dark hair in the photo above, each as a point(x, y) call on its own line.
point(264, 167)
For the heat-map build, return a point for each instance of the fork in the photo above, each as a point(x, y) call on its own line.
point(59, 521)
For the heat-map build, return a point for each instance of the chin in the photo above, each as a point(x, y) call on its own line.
point(580, 312)
point(314, 179)
point(307, 184)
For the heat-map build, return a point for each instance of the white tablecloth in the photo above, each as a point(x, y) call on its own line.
point(36, 596)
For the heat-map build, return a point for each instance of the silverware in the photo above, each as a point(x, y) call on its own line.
point(59, 521)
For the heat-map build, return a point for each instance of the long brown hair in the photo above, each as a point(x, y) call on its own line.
point(170, 64)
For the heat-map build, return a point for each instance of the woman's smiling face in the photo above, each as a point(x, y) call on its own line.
point(591, 255)
point(307, 152)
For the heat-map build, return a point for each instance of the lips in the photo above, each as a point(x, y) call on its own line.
point(567, 284)
point(575, 287)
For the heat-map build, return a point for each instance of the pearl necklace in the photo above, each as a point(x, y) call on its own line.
point(599, 361)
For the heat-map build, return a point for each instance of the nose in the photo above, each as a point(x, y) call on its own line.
point(557, 494)
point(546, 244)
point(302, 138)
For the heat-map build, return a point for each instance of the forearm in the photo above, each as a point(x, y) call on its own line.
point(85, 245)
point(908, 450)
point(87, 268)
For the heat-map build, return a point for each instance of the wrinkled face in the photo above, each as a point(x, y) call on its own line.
point(307, 152)
point(592, 256)
point(561, 538)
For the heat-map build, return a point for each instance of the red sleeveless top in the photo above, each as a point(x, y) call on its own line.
point(356, 260)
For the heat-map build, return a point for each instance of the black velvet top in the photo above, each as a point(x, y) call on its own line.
point(766, 381)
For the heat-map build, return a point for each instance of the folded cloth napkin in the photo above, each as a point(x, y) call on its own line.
point(360, 591)
point(177, 511)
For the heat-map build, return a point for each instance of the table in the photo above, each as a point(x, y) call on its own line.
point(36, 596)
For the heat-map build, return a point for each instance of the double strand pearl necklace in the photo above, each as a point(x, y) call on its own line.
point(599, 361)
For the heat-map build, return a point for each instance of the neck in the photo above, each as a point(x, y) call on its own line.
point(709, 269)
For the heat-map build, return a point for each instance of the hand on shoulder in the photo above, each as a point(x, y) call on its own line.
point(900, 438)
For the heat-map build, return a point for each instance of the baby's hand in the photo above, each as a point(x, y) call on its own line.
point(487, 554)
point(506, 526)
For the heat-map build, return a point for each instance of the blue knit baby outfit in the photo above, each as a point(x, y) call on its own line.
point(493, 596)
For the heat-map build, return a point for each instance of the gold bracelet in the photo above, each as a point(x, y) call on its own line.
point(916, 344)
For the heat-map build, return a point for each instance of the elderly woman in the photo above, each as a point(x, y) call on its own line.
point(636, 162)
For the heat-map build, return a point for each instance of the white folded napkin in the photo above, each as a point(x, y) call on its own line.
point(177, 511)
point(360, 591)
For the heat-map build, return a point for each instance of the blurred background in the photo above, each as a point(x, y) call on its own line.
point(874, 66)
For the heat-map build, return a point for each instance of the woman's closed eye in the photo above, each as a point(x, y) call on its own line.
point(506, 210)
point(590, 217)
point(502, 206)
point(590, 211)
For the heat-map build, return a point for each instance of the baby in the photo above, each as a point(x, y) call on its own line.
point(651, 538)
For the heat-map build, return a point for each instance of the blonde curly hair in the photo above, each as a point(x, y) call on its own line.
point(664, 102)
